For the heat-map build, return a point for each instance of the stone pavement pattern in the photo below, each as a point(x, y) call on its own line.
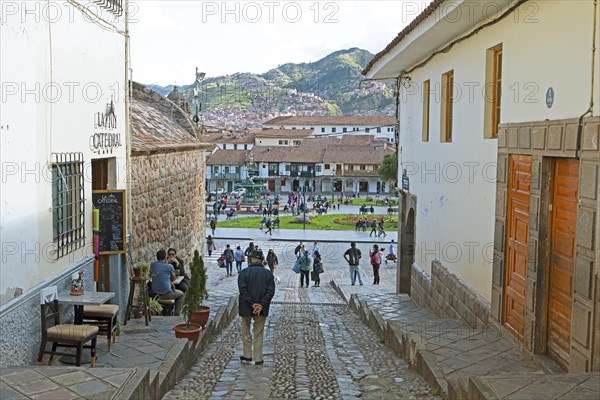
point(315, 348)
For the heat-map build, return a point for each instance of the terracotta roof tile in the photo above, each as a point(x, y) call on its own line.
point(227, 157)
point(285, 133)
point(291, 154)
point(152, 130)
point(355, 154)
point(235, 138)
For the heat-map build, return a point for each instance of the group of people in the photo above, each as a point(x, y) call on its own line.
point(377, 227)
point(309, 264)
point(376, 257)
point(165, 272)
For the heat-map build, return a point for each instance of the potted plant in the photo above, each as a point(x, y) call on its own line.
point(155, 307)
point(200, 313)
point(192, 299)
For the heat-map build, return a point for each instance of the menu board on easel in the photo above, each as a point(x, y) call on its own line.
point(111, 210)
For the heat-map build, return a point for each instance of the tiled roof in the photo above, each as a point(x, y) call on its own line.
point(227, 157)
point(351, 120)
point(235, 138)
point(151, 130)
point(287, 154)
point(415, 23)
point(285, 133)
point(363, 140)
point(320, 142)
point(355, 154)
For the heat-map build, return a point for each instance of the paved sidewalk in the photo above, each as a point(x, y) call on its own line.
point(462, 362)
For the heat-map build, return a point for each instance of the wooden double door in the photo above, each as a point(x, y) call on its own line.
point(561, 251)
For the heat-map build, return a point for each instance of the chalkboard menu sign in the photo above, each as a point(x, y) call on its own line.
point(111, 210)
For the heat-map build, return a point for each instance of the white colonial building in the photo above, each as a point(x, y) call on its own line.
point(63, 125)
point(499, 132)
point(379, 126)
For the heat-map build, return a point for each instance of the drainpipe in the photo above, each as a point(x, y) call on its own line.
point(590, 110)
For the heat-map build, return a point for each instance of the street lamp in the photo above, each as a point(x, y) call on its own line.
point(332, 184)
point(199, 78)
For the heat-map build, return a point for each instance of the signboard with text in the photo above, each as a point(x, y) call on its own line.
point(111, 209)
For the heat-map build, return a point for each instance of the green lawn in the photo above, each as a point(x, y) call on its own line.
point(375, 202)
point(334, 222)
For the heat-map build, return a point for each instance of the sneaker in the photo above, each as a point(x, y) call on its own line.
point(352, 283)
point(259, 362)
point(242, 358)
point(361, 284)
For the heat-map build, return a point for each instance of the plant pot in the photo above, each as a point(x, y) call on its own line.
point(190, 334)
point(200, 316)
point(138, 314)
point(136, 271)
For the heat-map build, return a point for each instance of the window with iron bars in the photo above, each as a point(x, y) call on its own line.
point(68, 202)
point(113, 6)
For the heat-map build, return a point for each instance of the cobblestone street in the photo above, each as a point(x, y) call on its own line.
point(315, 346)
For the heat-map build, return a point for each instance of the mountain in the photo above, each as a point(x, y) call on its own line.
point(329, 86)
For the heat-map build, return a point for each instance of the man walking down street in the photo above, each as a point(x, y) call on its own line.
point(352, 257)
point(228, 255)
point(257, 288)
point(213, 225)
point(248, 251)
point(163, 274)
point(306, 265)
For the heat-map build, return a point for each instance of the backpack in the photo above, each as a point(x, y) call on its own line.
point(375, 259)
point(228, 255)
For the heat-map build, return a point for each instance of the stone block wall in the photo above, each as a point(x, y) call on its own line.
point(544, 141)
point(168, 203)
point(448, 296)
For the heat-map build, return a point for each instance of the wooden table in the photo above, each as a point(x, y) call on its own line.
point(86, 299)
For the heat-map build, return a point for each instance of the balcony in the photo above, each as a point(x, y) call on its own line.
point(226, 176)
point(359, 173)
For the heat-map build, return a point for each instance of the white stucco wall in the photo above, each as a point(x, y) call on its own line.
point(58, 71)
point(455, 182)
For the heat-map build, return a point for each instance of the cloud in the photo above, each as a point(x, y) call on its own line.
point(171, 38)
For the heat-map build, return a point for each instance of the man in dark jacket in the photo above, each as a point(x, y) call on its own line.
point(257, 288)
point(248, 251)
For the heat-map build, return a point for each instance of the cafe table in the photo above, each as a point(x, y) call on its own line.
point(87, 299)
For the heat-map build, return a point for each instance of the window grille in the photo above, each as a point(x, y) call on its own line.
point(113, 6)
point(68, 202)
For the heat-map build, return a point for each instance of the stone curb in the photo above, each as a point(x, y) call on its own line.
point(138, 387)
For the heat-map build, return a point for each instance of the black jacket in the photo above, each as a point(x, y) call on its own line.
point(256, 285)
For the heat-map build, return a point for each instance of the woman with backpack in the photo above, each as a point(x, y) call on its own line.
point(317, 268)
point(375, 256)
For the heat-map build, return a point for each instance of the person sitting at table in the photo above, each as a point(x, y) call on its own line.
point(163, 274)
point(177, 263)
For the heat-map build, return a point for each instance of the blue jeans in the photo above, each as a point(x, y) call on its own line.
point(229, 266)
point(353, 269)
point(238, 266)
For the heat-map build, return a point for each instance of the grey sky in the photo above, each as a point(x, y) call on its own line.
point(171, 38)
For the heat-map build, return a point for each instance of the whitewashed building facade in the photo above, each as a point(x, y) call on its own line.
point(63, 125)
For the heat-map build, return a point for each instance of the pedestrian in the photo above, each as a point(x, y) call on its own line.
point(248, 251)
point(228, 255)
point(352, 257)
point(306, 265)
point(373, 228)
point(213, 225)
point(163, 274)
point(317, 269)
point(315, 248)
point(263, 221)
point(375, 257)
point(372, 210)
point(297, 250)
point(269, 225)
point(177, 264)
point(272, 260)
point(257, 288)
point(210, 245)
point(381, 227)
point(239, 259)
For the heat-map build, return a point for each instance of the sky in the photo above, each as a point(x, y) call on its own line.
point(170, 38)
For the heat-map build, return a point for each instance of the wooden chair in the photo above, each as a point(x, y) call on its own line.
point(104, 317)
point(168, 306)
point(63, 335)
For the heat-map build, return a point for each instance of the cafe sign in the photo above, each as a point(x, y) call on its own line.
point(105, 140)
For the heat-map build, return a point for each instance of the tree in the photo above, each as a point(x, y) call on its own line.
point(388, 170)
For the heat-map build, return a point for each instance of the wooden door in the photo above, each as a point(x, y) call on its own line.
point(519, 186)
point(562, 257)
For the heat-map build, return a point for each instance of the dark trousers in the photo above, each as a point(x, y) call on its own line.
point(304, 275)
point(376, 274)
point(317, 279)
